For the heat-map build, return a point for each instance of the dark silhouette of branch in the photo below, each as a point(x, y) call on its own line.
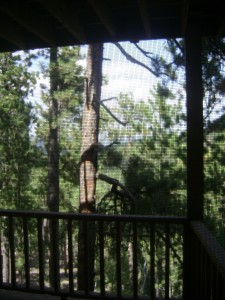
point(134, 60)
point(148, 55)
point(94, 149)
point(178, 45)
point(154, 60)
point(108, 99)
point(116, 183)
point(112, 115)
point(145, 53)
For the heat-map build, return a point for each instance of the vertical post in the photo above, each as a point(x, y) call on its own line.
point(1, 260)
point(194, 124)
point(102, 258)
point(41, 255)
point(167, 262)
point(12, 251)
point(135, 262)
point(86, 258)
point(194, 94)
point(152, 262)
point(26, 252)
point(118, 259)
point(70, 254)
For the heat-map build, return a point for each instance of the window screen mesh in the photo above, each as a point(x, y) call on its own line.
point(214, 142)
point(142, 126)
point(148, 129)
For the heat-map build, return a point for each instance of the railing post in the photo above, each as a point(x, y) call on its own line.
point(194, 125)
point(102, 258)
point(12, 251)
point(40, 253)
point(194, 154)
point(70, 255)
point(26, 251)
point(1, 260)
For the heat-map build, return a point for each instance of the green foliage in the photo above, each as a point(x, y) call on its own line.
point(68, 95)
point(213, 79)
point(151, 155)
point(16, 152)
point(152, 172)
point(147, 155)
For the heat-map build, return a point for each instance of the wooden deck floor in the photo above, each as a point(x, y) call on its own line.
point(11, 295)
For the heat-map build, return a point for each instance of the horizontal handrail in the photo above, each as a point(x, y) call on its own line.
point(108, 217)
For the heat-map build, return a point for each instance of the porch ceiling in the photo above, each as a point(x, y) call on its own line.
point(28, 24)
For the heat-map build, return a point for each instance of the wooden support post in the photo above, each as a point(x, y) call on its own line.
point(194, 125)
point(194, 157)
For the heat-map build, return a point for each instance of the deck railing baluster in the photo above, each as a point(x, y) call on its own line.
point(86, 257)
point(135, 262)
point(12, 251)
point(118, 258)
point(199, 274)
point(152, 262)
point(211, 279)
point(70, 255)
point(167, 262)
point(207, 278)
point(1, 260)
point(40, 254)
point(221, 288)
point(54, 239)
point(26, 252)
point(200, 258)
point(102, 261)
point(215, 284)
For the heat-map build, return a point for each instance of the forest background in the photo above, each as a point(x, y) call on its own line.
point(143, 132)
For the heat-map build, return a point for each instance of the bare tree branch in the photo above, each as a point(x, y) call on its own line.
point(145, 53)
point(103, 199)
point(148, 55)
point(108, 99)
point(116, 183)
point(178, 45)
point(112, 143)
point(134, 60)
point(112, 115)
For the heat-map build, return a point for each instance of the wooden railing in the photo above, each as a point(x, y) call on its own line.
point(126, 257)
point(206, 265)
point(110, 257)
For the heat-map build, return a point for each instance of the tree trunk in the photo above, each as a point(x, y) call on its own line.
point(53, 152)
point(53, 168)
point(88, 165)
point(90, 129)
